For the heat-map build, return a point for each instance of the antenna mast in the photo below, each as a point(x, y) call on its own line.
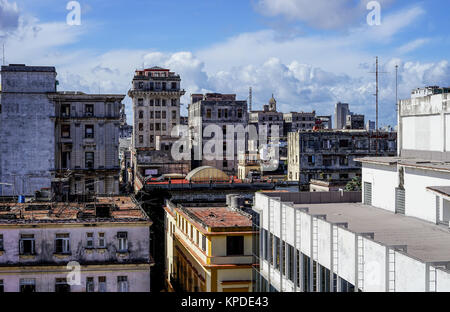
point(250, 98)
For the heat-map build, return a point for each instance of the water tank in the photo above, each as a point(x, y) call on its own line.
point(229, 197)
point(237, 202)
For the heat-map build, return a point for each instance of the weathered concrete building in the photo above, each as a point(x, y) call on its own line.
point(217, 111)
point(330, 154)
point(156, 94)
point(298, 121)
point(100, 246)
point(27, 133)
point(208, 248)
point(267, 118)
point(355, 122)
point(86, 142)
point(126, 130)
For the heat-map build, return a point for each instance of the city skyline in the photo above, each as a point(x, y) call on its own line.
point(275, 47)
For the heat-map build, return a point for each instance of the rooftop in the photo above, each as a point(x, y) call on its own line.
point(425, 241)
point(218, 217)
point(105, 209)
point(408, 162)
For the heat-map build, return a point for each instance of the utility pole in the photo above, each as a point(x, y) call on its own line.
point(396, 88)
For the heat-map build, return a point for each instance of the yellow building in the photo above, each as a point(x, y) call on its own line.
point(208, 249)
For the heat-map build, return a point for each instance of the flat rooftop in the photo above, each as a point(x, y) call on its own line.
point(109, 209)
point(408, 162)
point(217, 217)
point(425, 241)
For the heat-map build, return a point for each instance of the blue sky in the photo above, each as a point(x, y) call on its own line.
point(310, 54)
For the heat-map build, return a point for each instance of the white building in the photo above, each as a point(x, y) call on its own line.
point(396, 240)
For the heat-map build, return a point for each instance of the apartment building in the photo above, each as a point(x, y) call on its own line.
point(216, 110)
point(27, 132)
point(299, 121)
point(87, 130)
point(267, 118)
point(355, 121)
point(208, 248)
point(331, 154)
point(95, 246)
point(156, 94)
point(341, 111)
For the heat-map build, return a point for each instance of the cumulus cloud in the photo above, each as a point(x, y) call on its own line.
point(322, 14)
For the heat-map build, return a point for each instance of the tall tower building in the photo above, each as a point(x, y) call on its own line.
point(156, 97)
point(340, 115)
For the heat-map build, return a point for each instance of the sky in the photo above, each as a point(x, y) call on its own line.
point(309, 54)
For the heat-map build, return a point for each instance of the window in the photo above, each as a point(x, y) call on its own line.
point(90, 286)
point(27, 244)
point(61, 285)
point(151, 115)
point(235, 245)
point(89, 132)
point(174, 114)
point(163, 114)
point(89, 240)
point(152, 102)
point(102, 284)
point(163, 102)
point(89, 160)
point(158, 127)
point(141, 139)
point(174, 86)
point(152, 138)
point(101, 240)
point(122, 284)
point(208, 113)
point(140, 102)
point(158, 115)
point(157, 102)
point(163, 127)
point(1, 243)
point(141, 127)
point(89, 109)
point(62, 244)
point(240, 113)
point(174, 101)
point(197, 241)
point(65, 110)
point(2, 287)
point(65, 131)
point(151, 127)
point(203, 243)
point(123, 241)
point(141, 114)
point(89, 186)
point(27, 285)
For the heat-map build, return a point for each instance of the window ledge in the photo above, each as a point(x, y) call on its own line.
point(27, 257)
point(62, 255)
point(122, 254)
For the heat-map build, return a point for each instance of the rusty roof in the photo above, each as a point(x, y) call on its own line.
point(121, 209)
point(219, 217)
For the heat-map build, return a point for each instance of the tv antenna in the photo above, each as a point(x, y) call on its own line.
point(250, 98)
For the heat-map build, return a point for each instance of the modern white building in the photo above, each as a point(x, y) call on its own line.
point(396, 240)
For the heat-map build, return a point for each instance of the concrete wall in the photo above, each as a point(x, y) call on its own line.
point(384, 179)
point(26, 131)
point(422, 133)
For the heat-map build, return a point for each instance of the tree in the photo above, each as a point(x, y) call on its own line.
point(354, 185)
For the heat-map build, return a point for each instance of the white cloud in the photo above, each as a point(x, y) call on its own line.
point(9, 17)
point(413, 45)
point(322, 14)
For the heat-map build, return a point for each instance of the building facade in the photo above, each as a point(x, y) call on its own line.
point(100, 246)
point(218, 111)
point(341, 110)
point(87, 130)
point(208, 249)
point(156, 94)
point(331, 154)
point(355, 122)
point(27, 132)
point(299, 121)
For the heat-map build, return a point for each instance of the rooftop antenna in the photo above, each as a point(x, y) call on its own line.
point(396, 88)
point(377, 73)
point(250, 98)
point(4, 54)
